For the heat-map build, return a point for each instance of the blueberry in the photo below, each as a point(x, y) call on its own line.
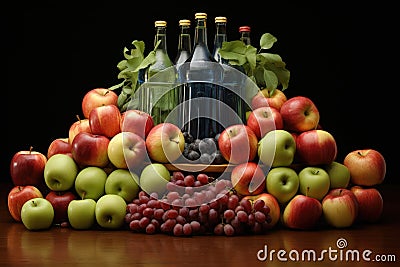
point(188, 137)
point(207, 145)
point(193, 155)
point(218, 158)
point(206, 158)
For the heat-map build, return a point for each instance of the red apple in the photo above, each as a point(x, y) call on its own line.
point(105, 120)
point(302, 212)
point(316, 147)
point(367, 167)
point(77, 127)
point(90, 150)
point(263, 120)
point(27, 167)
point(340, 207)
point(370, 203)
point(17, 196)
point(238, 144)
point(136, 121)
point(248, 179)
point(272, 203)
point(59, 146)
point(299, 114)
point(60, 201)
point(165, 142)
point(268, 98)
point(98, 97)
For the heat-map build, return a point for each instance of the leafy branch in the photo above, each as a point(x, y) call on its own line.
point(265, 69)
point(129, 71)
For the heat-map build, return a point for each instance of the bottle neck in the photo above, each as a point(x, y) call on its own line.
point(162, 60)
point(220, 37)
point(162, 37)
point(245, 37)
point(200, 34)
point(184, 42)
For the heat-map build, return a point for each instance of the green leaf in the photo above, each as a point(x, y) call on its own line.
point(234, 51)
point(147, 61)
point(140, 46)
point(273, 62)
point(271, 81)
point(265, 69)
point(114, 87)
point(267, 41)
point(251, 56)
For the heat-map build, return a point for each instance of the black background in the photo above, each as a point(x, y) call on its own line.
point(339, 56)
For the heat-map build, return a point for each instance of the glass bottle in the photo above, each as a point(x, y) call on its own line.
point(200, 76)
point(184, 42)
point(219, 37)
point(160, 78)
point(233, 77)
point(244, 32)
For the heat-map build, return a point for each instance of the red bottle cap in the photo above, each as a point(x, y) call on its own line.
point(244, 28)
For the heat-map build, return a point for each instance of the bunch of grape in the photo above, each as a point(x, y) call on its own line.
point(214, 209)
point(203, 151)
point(180, 178)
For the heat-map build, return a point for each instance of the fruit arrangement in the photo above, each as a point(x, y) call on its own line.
point(117, 169)
point(111, 172)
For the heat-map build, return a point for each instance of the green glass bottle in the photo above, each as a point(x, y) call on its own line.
point(233, 75)
point(244, 32)
point(184, 42)
point(200, 76)
point(160, 78)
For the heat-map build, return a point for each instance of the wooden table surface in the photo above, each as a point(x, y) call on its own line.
point(67, 247)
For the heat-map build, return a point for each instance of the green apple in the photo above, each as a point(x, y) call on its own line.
point(277, 148)
point(37, 214)
point(60, 172)
point(154, 178)
point(110, 211)
point(124, 183)
point(314, 182)
point(90, 182)
point(282, 183)
point(81, 213)
point(339, 174)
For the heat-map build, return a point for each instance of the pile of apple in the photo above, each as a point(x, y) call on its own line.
point(281, 155)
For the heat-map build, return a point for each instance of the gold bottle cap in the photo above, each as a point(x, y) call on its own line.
point(200, 15)
point(160, 23)
point(184, 22)
point(220, 19)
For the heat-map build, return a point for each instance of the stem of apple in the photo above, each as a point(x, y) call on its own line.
point(30, 149)
point(83, 195)
point(79, 119)
point(174, 140)
point(308, 189)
